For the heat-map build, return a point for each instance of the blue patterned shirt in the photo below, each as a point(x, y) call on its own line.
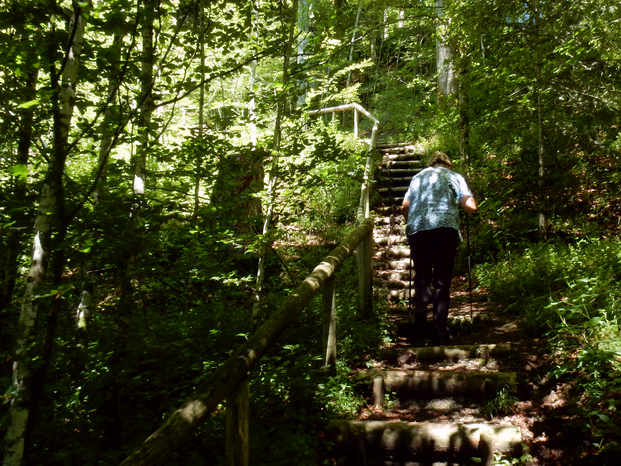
point(434, 195)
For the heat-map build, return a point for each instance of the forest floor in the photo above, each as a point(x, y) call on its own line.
point(542, 408)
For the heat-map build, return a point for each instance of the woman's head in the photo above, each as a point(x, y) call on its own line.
point(440, 158)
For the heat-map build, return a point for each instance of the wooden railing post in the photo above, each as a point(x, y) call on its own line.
point(329, 315)
point(365, 276)
point(355, 123)
point(237, 427)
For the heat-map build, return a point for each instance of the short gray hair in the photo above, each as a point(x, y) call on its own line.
point(440, 158)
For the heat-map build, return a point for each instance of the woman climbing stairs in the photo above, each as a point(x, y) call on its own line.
point(427, 404)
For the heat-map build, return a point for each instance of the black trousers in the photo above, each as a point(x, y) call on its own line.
point(433, 252)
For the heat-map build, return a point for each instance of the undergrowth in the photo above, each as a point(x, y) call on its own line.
point(569, 294)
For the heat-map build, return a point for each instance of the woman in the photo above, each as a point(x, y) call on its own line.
point(431, 209)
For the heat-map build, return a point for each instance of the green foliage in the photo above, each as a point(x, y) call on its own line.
point(524, 459)
point(339, 397)
point(571, 294)
point(502, 404)
point(321, 177)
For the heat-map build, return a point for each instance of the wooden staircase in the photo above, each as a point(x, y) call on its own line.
point(426, 403)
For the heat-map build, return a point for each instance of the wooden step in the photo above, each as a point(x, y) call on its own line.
point(388, 228)
point(395, 275)
point(428, 384)
point(394, 169)
point(391, 284)
point(385, 210)
point(394, 252)
point(386, 181)
point(401, 155)
point(401, 148)
point(448, 353)
point(402, 167)
point(391, 240)
point(393, 191)
point(375, 442)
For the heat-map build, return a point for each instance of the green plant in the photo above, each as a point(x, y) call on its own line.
point(502, 404)
point(524, 459)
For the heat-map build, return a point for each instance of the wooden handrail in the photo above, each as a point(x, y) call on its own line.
point(365, 286)
point(344, 108)
point(231, 374)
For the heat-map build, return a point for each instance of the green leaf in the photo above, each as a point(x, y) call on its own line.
point(30, 103)
point(20, 171)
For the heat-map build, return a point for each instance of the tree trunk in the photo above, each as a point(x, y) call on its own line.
point(50, 218)
point(353, 41)
point(201, 110)
point(105, 146)
point(339, 28)
point(444, 57)
point(16, 234)
point(464, 122)
point(146, 97)
point(271, 174)
point(304, 19)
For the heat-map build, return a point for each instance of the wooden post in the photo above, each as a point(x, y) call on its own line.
point(355, 123)
point(365, 276)
point(237, 429)
point(329, 313)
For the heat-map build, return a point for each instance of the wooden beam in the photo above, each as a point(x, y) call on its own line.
point(329, 312)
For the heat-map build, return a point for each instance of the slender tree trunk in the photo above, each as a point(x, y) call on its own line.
point(304, 19)
point(16, 234)
point(27, 385)
point(146, 97)
point(105, 146)
point(464, 121)
point(340, 19)
point(444, 57)
point(541, 217)
point(201, 110)
point(271, 174)
point(353, 41)
point(133, 230)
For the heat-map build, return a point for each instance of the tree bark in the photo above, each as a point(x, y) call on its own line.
point(444, 57)
point(146, 97)
point(304, 19)
point(271, 173)
point(105, 146)
point(16, 234)
point(201, 109)
point(50, 218)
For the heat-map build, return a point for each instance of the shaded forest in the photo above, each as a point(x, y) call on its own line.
point(163, 187)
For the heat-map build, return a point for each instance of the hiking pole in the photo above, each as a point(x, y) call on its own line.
point(410, 291)
point(469, 266)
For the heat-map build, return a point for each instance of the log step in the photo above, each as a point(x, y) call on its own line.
point(393, 191)
point(403, 170)
point(394, 252)
point(448, 353)
point(428, 384)
point(379, 442)
point(391, 179)
point(390, 240)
